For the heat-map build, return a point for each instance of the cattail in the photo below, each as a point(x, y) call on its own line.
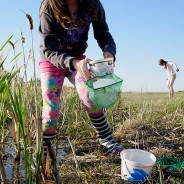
point(22, 39)
point(30, 20)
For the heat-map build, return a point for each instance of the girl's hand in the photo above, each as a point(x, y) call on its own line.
point(109, 55)
point(81, 66)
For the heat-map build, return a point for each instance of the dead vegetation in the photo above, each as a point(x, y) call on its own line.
point(147, 121)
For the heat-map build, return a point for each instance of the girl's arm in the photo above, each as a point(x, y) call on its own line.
point(50, 44)
point(102, 34)
point(174, 64)
point(177, 69)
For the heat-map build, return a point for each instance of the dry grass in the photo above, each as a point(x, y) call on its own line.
point(148, 121)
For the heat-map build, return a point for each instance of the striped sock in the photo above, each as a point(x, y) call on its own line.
point(101, 127)
point(47, 143)
point(104, 133)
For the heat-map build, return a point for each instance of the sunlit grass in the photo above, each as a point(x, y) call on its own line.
point(149, 121)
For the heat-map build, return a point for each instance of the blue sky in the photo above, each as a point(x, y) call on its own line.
point(144, 31)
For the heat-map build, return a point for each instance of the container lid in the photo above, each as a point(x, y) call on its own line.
point(101, 60)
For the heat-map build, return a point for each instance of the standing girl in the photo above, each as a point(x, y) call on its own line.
point(64, 27)
point(171, 74)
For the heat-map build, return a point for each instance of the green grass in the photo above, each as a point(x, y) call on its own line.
point(149, 121)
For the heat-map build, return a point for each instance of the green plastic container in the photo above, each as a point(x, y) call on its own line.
point(104, 90)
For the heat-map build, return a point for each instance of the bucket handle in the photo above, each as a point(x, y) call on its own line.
point(126, 168)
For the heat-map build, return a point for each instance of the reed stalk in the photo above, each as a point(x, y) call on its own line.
point(5, 83)
point(19, 112)
point(38, 139)
point(38, 133)
point(24, 58)
point(38, 149)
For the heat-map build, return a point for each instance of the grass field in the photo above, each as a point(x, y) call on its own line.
point(148, 121)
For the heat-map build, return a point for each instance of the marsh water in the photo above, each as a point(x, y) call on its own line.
point(15, 168)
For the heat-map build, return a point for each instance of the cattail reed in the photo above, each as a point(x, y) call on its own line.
point(38, 141)
point(30, 20)
point(22, 39)
point(25, 73)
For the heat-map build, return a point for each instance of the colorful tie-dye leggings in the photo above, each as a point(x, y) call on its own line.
point(51, 83)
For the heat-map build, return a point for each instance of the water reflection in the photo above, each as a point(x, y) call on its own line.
point(15, 169)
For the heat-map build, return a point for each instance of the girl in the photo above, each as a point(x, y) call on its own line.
point(64, 27)
point(171, 75)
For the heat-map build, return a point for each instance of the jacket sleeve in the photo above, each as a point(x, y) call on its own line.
point(50, 43)
point(102, 34)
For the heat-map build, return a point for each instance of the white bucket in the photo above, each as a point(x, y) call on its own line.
point(101, 67)
point(136, 165)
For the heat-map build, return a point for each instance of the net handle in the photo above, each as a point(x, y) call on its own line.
point(109, 60)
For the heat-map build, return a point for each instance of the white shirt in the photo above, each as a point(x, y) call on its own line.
point(170, 69)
